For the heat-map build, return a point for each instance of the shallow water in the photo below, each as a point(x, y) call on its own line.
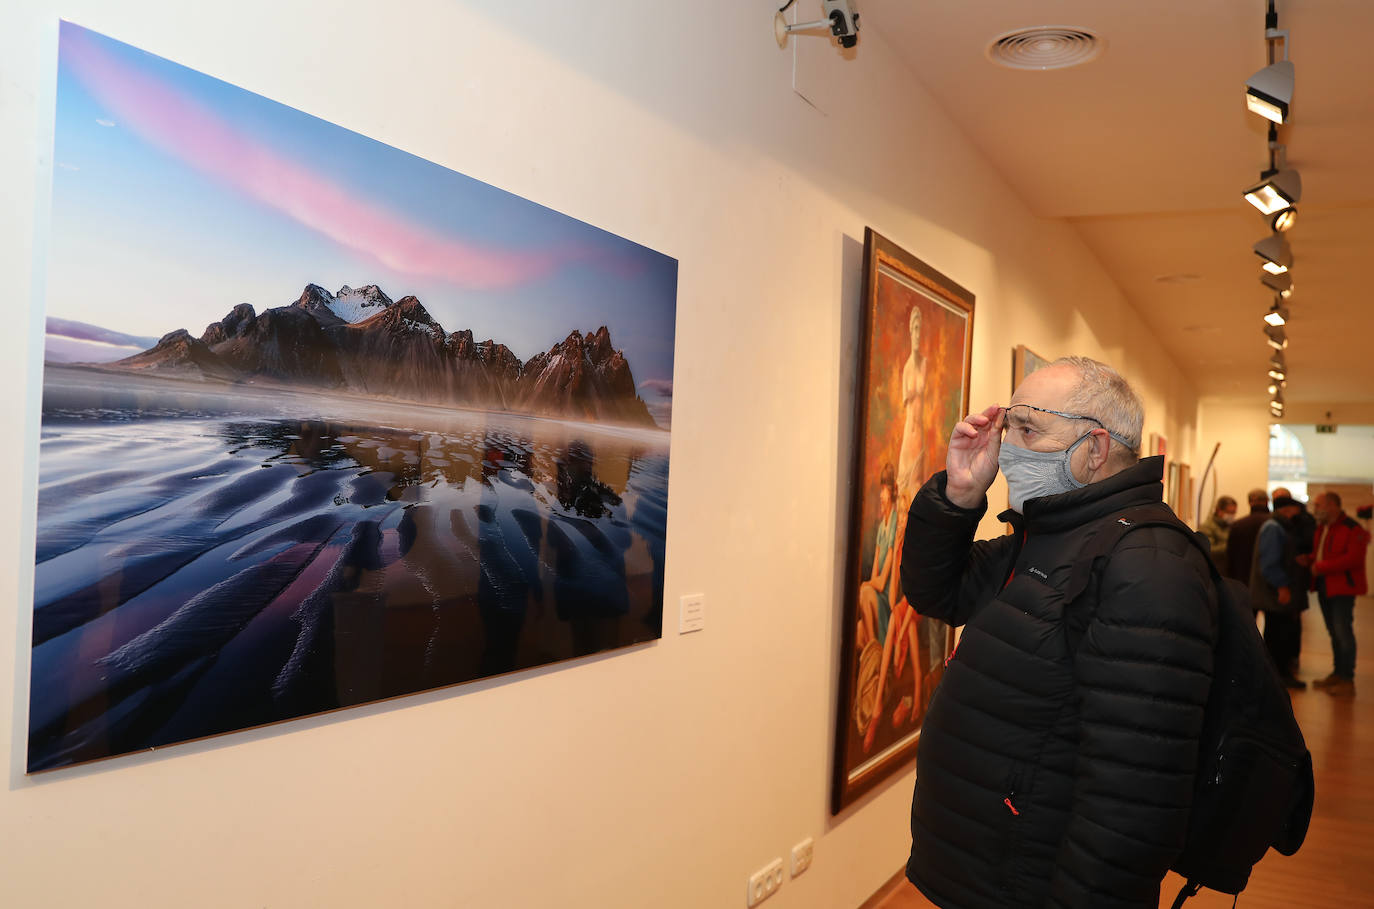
point(220, 564)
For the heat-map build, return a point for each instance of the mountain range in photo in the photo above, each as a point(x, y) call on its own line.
point(360, 341)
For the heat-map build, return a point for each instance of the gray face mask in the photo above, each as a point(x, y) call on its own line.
point(1032, 474)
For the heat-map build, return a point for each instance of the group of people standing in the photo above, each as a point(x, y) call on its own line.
point(1285, 553)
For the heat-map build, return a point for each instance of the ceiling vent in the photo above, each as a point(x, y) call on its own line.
point(1045, 47)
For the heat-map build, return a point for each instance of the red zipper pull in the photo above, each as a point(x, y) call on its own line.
point(954, 650)
point(1007, 802)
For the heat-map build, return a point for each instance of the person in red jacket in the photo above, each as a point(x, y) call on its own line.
point(1338, 576)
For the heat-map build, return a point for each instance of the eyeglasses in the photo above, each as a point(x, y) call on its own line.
point(1071, 416)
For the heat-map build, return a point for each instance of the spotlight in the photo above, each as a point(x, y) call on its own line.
point(1269, 91)
point(1282, 284)
point(1274, 387)
point(1278, 338)
point(1284, 220)
point(1277, 315)
point(1278, 375)
point(1274, 250)
point(1275, 191)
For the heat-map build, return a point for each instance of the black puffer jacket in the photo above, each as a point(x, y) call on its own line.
point(1047, 778)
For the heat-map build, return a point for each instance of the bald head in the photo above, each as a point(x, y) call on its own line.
point(1088, 387)
point(1048, 387)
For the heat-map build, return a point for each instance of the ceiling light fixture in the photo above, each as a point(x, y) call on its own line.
point(1281, 284)
point(1278, 338)
point(1270, 91)
point(1284, 220)
point(1277, 189)
point(1279, 186)
point(1277, 315)
point(1274, 250)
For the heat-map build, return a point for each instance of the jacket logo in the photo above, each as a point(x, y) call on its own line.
point(1123, 522)
point(1038, 573)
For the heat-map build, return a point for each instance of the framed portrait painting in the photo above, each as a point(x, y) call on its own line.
point(913, 386)
point(1024, 361)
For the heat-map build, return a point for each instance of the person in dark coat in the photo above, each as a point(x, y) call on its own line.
point(1240, 546)
point(1302, 529)
point(1049, 774)
point(1276, 588)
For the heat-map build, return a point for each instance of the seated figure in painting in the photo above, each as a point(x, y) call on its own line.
point(900, 642)
point(875, 605)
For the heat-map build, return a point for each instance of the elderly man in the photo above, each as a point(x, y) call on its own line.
point(1053, 773)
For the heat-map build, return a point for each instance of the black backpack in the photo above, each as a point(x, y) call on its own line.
point(1254, 784)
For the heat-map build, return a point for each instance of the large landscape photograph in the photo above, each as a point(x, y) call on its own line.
point(323, 422)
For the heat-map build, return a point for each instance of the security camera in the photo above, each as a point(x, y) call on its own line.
point(841, 18)
point(844, 20)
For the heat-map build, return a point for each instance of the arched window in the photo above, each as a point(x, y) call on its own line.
point(1287, 460)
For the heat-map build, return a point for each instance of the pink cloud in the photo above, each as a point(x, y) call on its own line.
point(183, 127)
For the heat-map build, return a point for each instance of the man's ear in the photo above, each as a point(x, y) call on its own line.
point(1102, 449)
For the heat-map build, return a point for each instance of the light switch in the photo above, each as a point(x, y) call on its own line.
point(692, 614)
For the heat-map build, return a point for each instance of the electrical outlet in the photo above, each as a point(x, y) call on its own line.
point(765, 882)
point(801, 856)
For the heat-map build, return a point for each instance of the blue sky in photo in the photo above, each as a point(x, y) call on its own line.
point(177, 196)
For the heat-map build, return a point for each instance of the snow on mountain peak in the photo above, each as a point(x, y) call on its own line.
point(359, 305)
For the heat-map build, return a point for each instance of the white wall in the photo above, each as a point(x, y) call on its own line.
point(659, 776)
point(1242, 463)
point(1346, 454)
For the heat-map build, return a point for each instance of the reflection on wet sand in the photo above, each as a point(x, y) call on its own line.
point(211, 572)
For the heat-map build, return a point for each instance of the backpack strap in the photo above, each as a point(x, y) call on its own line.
point(1098, 552)
point(1095, 557)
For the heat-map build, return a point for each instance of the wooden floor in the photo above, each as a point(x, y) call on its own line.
point(1335, 867)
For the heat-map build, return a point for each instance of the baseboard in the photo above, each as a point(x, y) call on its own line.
point(894, 883)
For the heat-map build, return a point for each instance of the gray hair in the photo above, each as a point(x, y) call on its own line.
point(1101, 392)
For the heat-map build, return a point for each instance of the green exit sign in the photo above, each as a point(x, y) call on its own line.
point(1326, 427)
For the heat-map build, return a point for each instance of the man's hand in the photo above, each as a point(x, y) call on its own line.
point(971, 464)
point(1285, 596)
